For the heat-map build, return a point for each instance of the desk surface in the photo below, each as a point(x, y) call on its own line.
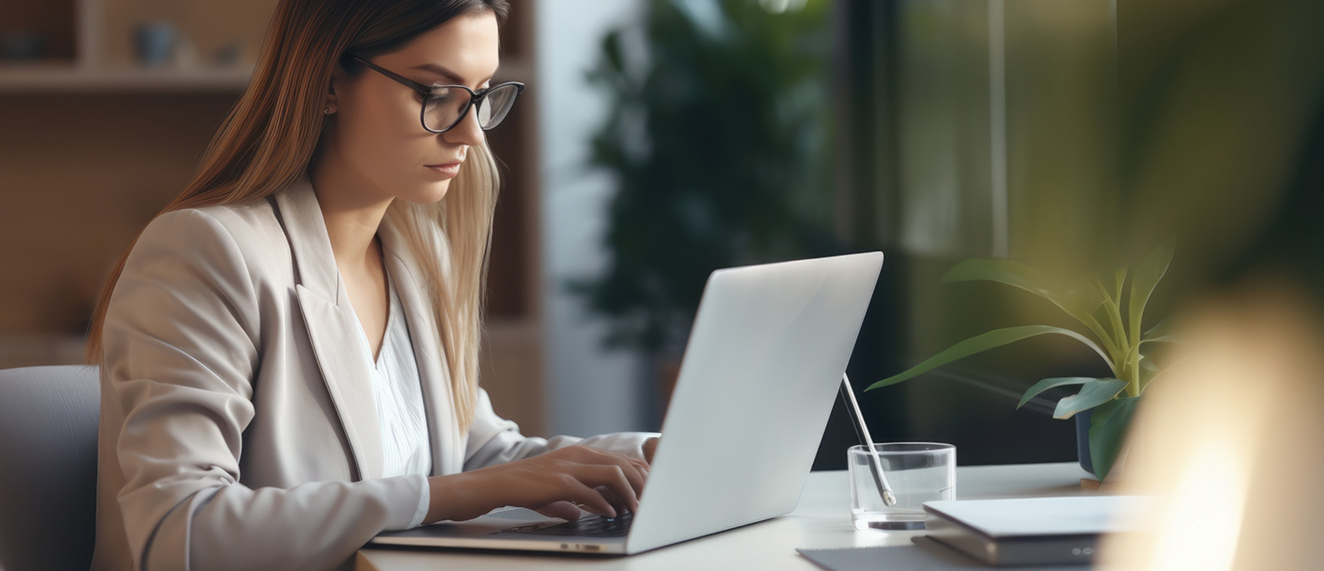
point(821, 520)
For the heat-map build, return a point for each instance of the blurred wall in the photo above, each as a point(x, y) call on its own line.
point(590, 389)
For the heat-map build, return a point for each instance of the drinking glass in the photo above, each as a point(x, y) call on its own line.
point(916, 472)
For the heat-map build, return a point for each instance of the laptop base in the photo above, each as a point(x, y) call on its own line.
point(486, 533)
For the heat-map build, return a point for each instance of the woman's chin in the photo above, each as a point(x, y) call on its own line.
point(429, 194)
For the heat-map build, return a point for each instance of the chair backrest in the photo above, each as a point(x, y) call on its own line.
point(48, 466)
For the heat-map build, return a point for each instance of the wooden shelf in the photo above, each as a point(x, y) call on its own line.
point(70, 78)
point(55, 78)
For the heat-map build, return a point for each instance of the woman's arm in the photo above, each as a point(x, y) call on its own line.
point(494, 440)
point(181, 350)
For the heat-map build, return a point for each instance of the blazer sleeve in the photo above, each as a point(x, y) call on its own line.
point(181, 348)
point(494, 440)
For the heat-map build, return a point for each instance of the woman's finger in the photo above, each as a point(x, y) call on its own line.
point(613, 477)
point(635, 469)
point(643, 467)
point(574, 490)
point(644, 471)
point(615, 499)
point(564, 510)
point(634, 476)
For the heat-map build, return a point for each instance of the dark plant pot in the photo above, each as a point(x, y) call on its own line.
point(1083, 439)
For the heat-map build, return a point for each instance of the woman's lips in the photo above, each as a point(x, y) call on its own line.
point(447, 170)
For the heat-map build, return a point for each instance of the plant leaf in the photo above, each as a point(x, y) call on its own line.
point(981, 343)
point(1051, 383)
point(1121, 280)
point(1085, 297)
point(1101, 293)
point(1112, 313)
point(1009, 272)
point(1021, 276)
point(1162, 328)
point(1140, 348)
point(1163, 339)
point(1143, 282)
point(1092, 394)
point(1148, 370)
point(1108, 428)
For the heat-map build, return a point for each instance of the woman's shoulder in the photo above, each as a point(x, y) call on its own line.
point(245, 233)
point(253, 217)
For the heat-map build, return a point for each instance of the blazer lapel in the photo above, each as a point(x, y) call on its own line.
point(332, 327)
point(443, 428)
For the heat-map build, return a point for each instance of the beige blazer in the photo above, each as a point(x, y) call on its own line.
point(238, 427)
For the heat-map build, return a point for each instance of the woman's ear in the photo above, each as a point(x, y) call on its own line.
point(337, 79)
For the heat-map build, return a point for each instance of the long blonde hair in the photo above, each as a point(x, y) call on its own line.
point(271, 135)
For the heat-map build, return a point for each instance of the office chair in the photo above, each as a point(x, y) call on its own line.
point(48, 466)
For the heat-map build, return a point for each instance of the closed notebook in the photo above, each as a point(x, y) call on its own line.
point(1030, 531)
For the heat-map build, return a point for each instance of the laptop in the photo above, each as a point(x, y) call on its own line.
point(759, 376)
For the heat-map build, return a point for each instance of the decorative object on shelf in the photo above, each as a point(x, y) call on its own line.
point(1114, 332)
point(229, 53)
point(156, 42)
point(22, 45)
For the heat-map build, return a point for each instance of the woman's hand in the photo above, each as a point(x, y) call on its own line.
point(650, 446)
point(555, 484)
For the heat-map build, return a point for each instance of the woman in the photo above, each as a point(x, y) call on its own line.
point(289, 351)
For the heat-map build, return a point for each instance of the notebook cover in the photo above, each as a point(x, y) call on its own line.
point(1032, 531)
point(924, 555)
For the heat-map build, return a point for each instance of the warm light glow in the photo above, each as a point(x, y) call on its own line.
point(1200, 527)
point(1226, 444)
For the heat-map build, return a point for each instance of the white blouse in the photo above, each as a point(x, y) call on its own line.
point(399, 395)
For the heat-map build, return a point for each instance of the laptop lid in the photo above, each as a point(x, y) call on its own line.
point(761, 370)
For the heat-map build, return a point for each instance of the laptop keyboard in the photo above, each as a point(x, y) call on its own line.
point(587, 525)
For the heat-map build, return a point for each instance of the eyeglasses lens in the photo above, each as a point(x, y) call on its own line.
point(496, 105)
point(443, 108)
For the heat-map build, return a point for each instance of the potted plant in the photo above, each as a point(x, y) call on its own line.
point(1112, 328)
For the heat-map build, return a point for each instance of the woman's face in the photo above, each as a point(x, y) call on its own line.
point(382, 149)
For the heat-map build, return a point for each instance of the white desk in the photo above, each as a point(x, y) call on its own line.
point(822, 520)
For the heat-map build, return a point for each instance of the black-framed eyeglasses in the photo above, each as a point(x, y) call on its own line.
point(444, 106)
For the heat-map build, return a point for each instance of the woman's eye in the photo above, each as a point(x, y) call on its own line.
point(448, 99)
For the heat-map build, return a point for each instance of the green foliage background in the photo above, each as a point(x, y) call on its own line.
point(717, 138)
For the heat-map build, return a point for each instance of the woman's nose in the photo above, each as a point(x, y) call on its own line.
point(467, 132)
